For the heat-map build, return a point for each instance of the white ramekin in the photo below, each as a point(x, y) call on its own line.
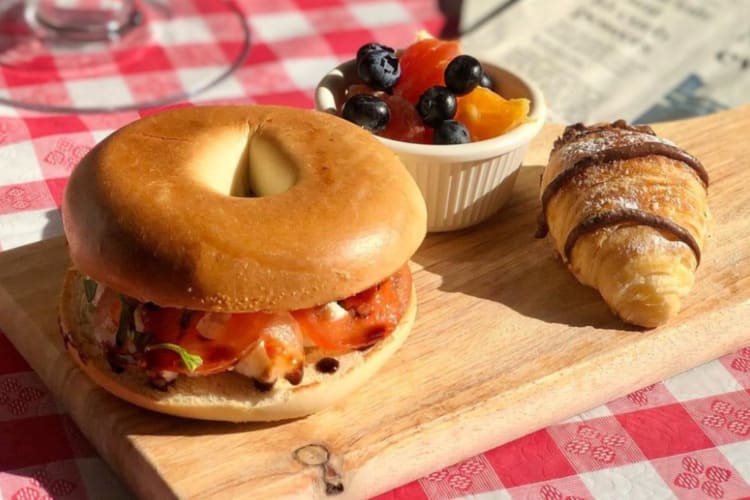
point(462, 184)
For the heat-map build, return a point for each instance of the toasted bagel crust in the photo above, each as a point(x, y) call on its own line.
point(145, 214)
point(227, 396)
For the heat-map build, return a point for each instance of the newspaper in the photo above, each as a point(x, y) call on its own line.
point(599, 60)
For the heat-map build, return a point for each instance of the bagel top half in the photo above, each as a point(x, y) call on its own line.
point(164, 209)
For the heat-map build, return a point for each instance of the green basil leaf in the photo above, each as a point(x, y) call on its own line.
point(89, 288)
point(191, 361)
point(125, 331)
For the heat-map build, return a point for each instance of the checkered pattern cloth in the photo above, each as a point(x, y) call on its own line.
point(686, 437)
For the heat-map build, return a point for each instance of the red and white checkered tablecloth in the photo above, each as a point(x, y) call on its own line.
point(686, 437)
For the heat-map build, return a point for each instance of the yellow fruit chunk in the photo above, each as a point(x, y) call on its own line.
point(487, 114)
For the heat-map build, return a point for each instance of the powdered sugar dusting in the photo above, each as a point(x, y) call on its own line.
point(650, 241)
point(647, 242)
point(617, 188)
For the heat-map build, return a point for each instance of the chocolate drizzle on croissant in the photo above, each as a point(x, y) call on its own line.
point(625, 215)
point(599, 146)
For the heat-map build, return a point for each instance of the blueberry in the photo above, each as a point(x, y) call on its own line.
point(380, 70)
point(372, 47)
point(367, 111)
point(463, 74)
point(487, 82)
point(451, 132)
point(436, 104)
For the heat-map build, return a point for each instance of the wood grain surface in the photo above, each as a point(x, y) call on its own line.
point(506, 342)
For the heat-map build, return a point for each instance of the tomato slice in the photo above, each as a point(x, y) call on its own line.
point(423, 64)
point(373, 315)
point(178, 326)
point(221, 340)
point(284, 346)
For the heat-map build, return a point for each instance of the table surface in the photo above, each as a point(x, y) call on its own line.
point(686, 437)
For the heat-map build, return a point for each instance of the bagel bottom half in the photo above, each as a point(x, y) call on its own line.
point(226, 396)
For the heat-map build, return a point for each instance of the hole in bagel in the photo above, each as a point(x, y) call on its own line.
point(249, 166)
point(269, 170)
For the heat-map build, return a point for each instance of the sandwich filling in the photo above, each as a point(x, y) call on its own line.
point(167, 342)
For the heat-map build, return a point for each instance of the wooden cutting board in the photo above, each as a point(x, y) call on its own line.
point(506, 342)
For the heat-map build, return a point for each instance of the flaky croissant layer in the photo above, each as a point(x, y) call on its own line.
point(628, 213)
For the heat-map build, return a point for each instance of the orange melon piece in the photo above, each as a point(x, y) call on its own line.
point(487, 114)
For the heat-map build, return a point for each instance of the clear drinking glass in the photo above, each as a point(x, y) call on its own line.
point(96, 40)
point(84, 19)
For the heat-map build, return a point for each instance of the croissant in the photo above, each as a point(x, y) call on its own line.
point(627, 212)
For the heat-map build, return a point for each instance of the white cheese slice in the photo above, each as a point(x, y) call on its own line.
point(334, 311)
point(255, 363)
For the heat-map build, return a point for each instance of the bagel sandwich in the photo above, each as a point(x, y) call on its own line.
point(238, 263)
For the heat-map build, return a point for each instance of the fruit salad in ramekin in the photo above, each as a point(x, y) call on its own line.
point(461, 126)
